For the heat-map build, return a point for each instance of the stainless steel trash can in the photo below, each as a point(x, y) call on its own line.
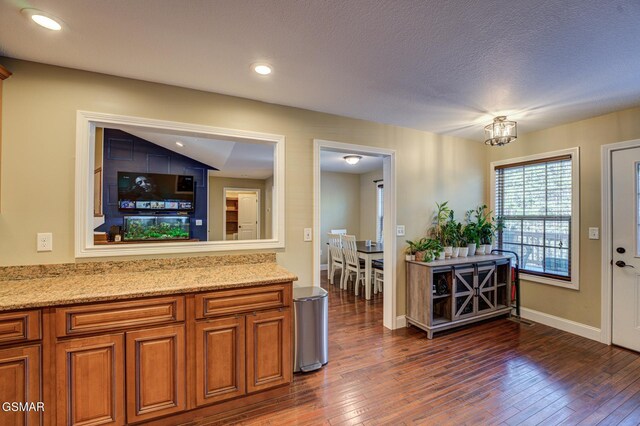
point(310, 321)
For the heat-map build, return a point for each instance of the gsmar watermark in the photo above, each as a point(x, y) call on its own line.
point(23, 406)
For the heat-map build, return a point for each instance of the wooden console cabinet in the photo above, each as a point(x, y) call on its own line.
point(160, 360)
point(450, 293)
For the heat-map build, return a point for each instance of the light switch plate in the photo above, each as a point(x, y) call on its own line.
point(400, 231)
point(307, 234)
point(594, 233)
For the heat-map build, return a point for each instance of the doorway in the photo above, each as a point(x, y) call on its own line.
point(621, 245)
point(241, 214)
point(387, 225)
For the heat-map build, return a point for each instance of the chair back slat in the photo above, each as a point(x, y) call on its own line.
point(349, 249)
point(339, 231)
point(335, 247)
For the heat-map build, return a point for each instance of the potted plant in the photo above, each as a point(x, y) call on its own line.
point(462, 242)
point(437, 231)
point(431, 250)
point(410, 250)
point(486, 227)
point(452, 235)
point(471, 234)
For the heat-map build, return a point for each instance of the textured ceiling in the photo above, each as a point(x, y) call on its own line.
point(441, 66)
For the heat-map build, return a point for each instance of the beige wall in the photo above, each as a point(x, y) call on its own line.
point(217, 202)
point(339, 205)
point(38, 133)
point(583, 305)
point(368, 201)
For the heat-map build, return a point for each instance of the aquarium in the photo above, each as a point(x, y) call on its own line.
point(150, 228)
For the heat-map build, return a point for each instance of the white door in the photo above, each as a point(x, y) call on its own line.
point(626, 248)
point(248, 216)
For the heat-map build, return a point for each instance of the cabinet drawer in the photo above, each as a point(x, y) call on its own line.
point(116, 316)
point(227, 302)
point(19, 326)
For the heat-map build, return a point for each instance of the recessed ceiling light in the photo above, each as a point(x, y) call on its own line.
point(43, 19)
point(179, 144)
point(262, 69)
point(352, 159)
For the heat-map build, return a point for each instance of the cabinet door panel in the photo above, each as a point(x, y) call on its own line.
point(20, 382)
point(90, 381)
point(155, 372)
point(268, 350)
point(220, 363)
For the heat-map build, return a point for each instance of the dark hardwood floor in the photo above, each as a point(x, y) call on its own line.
point(497, 372)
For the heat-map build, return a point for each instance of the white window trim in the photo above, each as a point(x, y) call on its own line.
point(574, 284)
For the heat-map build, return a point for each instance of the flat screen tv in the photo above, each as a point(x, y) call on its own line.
point(151, 192)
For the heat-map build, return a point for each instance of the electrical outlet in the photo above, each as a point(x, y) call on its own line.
point(44, 241)
point(400, 231)
point(307, 234)
point(198, 222)
point(594, 233)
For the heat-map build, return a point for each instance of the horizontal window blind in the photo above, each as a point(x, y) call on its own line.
point(534, 201)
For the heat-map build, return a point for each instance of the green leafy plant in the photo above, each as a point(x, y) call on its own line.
point(428, 249)
point(485, 224)
point(471, 232)
point(439, 222)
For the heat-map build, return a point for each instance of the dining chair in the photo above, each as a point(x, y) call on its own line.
point(337, 258)
point(339, 231)
point(378, 275)
point(352, 263)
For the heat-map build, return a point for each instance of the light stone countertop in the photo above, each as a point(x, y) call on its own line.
point(122, 283)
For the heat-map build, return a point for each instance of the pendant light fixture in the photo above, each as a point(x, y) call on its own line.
point(500, 132)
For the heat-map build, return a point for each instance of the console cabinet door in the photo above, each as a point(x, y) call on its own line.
point(90, 381)
point(20, 382)
point(220, 363)
point(155, 372)
point(268, 350)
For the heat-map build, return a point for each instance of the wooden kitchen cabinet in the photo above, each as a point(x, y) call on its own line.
point(90, 381)
point(20, 382)
point(268, 350)
point(156, 372)
point(220, 363)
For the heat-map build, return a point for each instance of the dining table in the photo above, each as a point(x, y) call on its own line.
point(375, 251)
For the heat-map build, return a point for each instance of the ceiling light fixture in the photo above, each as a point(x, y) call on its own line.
point(500, 132)
point(352, 159)
point(43, 19)
point(262, 69)
point(180, 144)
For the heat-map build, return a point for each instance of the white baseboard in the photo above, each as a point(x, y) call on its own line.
point(569, 326)
point(401, 321)
point(324, 267)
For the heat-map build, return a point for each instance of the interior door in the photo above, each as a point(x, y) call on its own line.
point(626, 248)
point(248, 216)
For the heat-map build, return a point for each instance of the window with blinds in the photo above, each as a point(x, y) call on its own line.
point(534, 200)
point(379, 211)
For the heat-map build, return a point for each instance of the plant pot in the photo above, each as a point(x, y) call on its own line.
point(472, 249)
point(464, 251)
point(487, 249)
point(409, 257)
point(441, 256)
point(419, 256)
point(447, 251)
point(455, 251)
point(480, 249)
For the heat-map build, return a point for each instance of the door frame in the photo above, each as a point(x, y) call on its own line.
point(258, 208)
point(606, 244)
point(390, 320)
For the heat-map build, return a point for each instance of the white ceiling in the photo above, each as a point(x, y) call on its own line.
point(333, 161)
point(443, 66)
point(232, 158)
